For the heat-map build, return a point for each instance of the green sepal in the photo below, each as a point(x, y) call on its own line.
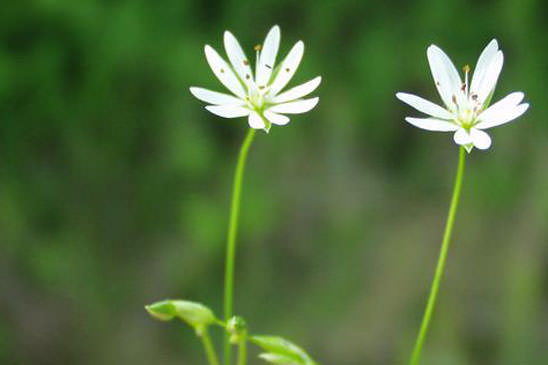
point(267, 124)
point(488, 99)
point(281, 351)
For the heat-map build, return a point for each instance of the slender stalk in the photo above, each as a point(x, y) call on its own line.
point(441, 261)
point(242, 352)
point(231, 238)
point(208, 348)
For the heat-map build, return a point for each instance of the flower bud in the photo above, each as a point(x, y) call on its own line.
point(195, 314)
point(237, 327)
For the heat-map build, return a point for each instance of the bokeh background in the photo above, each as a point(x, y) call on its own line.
point(115, 184)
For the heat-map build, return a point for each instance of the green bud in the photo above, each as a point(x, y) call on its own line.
point(281, 351)
point(237, 327)
point(195, 314)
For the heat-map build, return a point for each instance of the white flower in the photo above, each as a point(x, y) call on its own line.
point(257, 95)
point(466, 109)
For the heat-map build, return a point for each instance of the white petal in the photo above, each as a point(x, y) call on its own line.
point(489, 81)
point(268, 56)
point(215, 98)
point(509, 115)
point(432, 124)
point(255, 121)
point(484, 60)
point(228, 111)
point(295, 107)
point(498, 113)
point(480, 139)
point(462, 137)
point(275, 118)
point(224, 72)
point(298, 91)
point(445, 74)
point(424, 106)
point(237, 57)
point(287, 68)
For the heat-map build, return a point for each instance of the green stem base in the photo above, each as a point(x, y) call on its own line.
point(209, 349)
point(242, 353)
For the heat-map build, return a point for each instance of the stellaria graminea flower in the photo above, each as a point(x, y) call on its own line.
point(467, 111)
point(257, 96)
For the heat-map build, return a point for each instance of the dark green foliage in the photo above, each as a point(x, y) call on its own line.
point(114, 184)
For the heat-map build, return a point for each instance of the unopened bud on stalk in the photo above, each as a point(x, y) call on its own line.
point(237, 327)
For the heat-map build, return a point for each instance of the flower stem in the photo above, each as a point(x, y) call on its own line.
point(242, 352)
point(208, 347)
point(441, 261)
point(231, 238)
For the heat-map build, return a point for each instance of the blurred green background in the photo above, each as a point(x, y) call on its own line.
point(115, 184)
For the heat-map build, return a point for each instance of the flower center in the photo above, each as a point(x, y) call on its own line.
point(466, 104)
point(257, 97)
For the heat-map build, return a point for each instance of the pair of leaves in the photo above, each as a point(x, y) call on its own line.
point(277, 349)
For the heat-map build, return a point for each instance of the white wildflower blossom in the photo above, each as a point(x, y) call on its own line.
point(257, 95)
point(467, 112)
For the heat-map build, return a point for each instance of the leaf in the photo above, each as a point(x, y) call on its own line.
point(281, 351)
point(278, 359)
point(195, 314)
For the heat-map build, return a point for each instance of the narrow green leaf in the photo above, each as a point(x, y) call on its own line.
point(280, 349)
point(195, 314)
point(278, 359)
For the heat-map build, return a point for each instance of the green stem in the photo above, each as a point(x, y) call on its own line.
point(209, 349)
point(242, 352)
point(231, 238)
point(441, 261)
